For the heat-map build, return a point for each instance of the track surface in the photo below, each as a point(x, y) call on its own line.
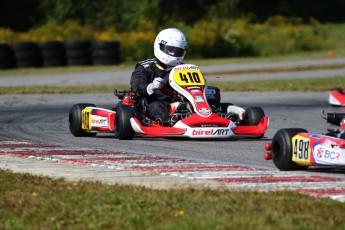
point(123, 76)
point(36, 126)
point(42, 121)
point(44, 118)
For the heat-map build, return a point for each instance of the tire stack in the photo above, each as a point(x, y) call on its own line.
point(59, 53)
point(105, 52)
point(27, 54)
point(78, 53)
point(7, 60)
point(53, 54)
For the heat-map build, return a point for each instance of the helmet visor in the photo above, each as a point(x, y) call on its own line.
point(172, 50)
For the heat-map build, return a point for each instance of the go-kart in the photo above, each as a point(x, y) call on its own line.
point(337, 97)
point(296, 149)
point(195, 111)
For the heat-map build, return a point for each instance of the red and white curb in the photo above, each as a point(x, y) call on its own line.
point(232, 176)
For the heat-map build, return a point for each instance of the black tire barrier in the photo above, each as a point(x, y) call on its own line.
point(105, 52)
point(27, 54)
point(7, 60)
point(53, 53)
point(78, 52)
point(58, 53)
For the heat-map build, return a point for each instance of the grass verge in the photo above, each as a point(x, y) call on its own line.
point(310, 84)
point(30, 202)
point(322, 54)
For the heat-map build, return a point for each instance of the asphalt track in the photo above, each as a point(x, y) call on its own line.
point(123, 76)
point(41, 121)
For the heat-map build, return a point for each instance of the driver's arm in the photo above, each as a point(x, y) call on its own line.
point(139, 81)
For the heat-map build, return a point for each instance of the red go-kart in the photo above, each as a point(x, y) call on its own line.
point(296, 149)
point(195, 111)
point(337, 97)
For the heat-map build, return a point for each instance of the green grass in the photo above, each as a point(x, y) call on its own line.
point(29, 202)
point(310, 84)
point(338, 52)
point(304, 85)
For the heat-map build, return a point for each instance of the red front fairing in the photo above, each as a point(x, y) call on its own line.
point(213, 120)
point(197, 126)
point(337, 98)
point(157, 130)
point(198, 99)
point(255, 130)
point(108, 116)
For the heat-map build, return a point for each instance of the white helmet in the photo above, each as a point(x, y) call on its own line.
point(170, 47)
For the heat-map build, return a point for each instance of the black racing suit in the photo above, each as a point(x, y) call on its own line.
point(143, 74)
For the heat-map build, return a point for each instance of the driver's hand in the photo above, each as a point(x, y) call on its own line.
point(156, 84)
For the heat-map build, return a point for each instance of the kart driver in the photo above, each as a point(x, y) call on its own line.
point(147, 78)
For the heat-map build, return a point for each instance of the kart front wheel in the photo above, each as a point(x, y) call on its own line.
point(253, 115)
point(123, 127)
point(75, 120)
point(282, 149)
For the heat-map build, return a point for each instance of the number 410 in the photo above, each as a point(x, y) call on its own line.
point(192, 77)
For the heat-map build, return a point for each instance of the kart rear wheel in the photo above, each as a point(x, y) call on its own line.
point(75, 120)
point(282, 149)
point(253, 115)
point(123, 127)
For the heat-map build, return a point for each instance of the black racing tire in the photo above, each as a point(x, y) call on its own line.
point(282, 149)
point(106, 54)
point(7, 60)
point(75, 120)
point(51, 45)
point(28, 54)
point(7, 65)
point(78, 53)
point(78, 61)
point(54, 62)
point(6, 52)
point(4, 55)
point(123, 127)
point(82, 44)
point(112, 45)
point(253, 115)
point(52, 54)
point(28, 63)
point(4, 47)
point(24, 46)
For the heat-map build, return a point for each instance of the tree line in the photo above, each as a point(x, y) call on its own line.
point(22, 15)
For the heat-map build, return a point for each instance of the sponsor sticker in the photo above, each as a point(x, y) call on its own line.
point(199, 99)
point(326, 155)
point(205, 111)
point(98, 121)
point(210, 132)
point(210, 91)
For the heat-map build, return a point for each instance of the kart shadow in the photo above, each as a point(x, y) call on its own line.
point(232, 139)
point(201, 139)
point(327, 169)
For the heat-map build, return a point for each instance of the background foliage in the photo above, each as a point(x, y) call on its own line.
point(20, 15)
point(214, 28)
